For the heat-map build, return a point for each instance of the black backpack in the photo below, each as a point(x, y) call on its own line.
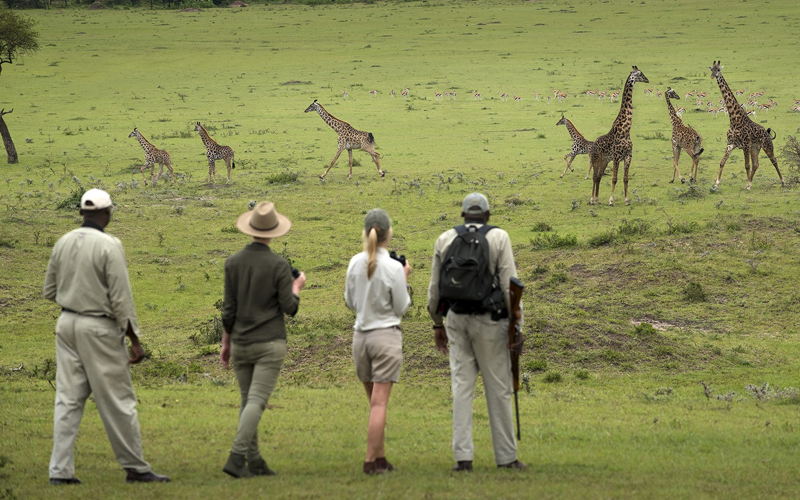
point(465, 280)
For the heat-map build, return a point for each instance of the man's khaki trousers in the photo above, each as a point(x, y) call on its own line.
point(91, 358)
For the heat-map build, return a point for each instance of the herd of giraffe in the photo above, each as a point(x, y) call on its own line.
point(214, 152)
point(616, 146)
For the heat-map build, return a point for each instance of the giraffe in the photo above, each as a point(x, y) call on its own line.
point(153, 155)
point(744, 133)
point(580, 146)
point(349, 139)
point(616, 145)
point(683, 137)
point(215, 152)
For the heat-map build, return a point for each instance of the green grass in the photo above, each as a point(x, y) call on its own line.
point(594, 275)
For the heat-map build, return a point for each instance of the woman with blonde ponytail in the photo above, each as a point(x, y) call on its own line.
point(377, 291)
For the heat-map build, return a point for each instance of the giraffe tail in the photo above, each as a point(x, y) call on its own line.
point(371, 138)
point(772, 133)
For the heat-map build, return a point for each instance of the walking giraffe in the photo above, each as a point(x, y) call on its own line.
point(215, 152)
point(744, 133)
point(153, 155)
point(349, 139)
point(683, 137)
point(616, 145)
point(580, 146)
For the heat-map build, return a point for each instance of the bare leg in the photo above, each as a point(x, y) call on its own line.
point(377, 420)
point(722, 163)
point(333, 162)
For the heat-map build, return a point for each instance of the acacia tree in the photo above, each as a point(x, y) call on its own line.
point(17, 38)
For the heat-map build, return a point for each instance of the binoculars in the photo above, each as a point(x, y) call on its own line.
point(401, 259)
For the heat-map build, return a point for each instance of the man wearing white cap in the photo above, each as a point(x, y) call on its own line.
point(88, 277)
point(478, 341)
point(259, 291)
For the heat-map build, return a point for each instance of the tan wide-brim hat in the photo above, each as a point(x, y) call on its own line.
point(264, 222)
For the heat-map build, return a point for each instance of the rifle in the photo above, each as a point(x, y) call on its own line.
point(514, 335)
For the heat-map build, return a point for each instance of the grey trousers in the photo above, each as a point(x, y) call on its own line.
point(91, 358)
point(257, 367)
point(479, 344)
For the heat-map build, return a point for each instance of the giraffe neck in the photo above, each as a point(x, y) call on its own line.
point(208, 142)
point(332, 121)
point(573, 132)
point(735, 112)
point(144, 142)
point(674, 118)
point(625, 116)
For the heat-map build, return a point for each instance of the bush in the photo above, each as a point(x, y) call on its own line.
point(582, 375)
point(552, 377)
point(536, 365)
point(71, 202)
point(211, 332)
point(602, 239)
point(541, 227)
point(285, 177)
point(791, 157)
point(644, 330)
point(694, 293)
point(552, 241)
point(633, 228)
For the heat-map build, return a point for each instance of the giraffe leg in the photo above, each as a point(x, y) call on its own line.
point(771, 155)
point(171, 176)
point(160, 171)
point(377, 159)
point(333, 162)
point(747, 155)
point(567, 158)
point(676, 156)
point(142, 171)
point(693, 172)
point(212, 171)
point(753, 164)
point(589, 173)
point(722, 163)
point(613, 182)
point(350, 155)
point(228, 164)
point(625, 178)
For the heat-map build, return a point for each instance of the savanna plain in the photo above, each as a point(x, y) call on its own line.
point(662, 349)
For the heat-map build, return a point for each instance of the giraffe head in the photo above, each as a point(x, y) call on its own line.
point(638, 76)
point(313, 107)
point(672, 94)
point(716, 69)
point(135, 133)
point(562, 121)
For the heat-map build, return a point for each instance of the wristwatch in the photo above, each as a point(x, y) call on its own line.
point(436, 327)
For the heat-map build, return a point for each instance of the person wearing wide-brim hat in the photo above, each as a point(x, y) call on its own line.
point(259, 290)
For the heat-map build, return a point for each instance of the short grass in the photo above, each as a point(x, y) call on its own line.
point(628, 309)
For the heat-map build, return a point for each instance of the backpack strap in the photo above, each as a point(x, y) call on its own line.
point(464, 229)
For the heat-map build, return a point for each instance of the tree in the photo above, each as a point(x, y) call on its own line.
point(17, 38)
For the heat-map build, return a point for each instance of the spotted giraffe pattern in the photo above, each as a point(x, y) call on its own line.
point(580, 146)
point(616, 146)
point(349, 139)
point(744, 133)
point(683, 138)
point(215, 152)
point(153, 155)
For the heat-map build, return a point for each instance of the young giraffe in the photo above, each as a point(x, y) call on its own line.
point(153, 155)
point(580, 145)
point(349, 139)
point(745, 134)
point(616, 145)
point(683, 137)
point(215, 152)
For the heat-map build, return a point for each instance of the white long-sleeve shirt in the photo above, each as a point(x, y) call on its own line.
point(379, 302)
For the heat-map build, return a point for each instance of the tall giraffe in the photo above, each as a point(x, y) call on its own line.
point(580, 146)
point(349, 139)
point(744, 133)
point(683, 137)
point(616, 145)
point(215, 152)
point(153, 155)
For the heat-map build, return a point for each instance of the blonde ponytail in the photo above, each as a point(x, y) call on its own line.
point(371, 241)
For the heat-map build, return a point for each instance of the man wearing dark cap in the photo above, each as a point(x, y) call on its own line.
point(88, 277)
point(477, 343)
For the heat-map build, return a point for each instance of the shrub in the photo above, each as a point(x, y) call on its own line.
point(633, 228)
point(211, 332)
point(552, 241)
point(285, 177)
point(552, 377)
point(541, 227)
point(602, 239)
point(71, 202)
point(536, 365)
point(644, 330)
point(694, 293)
point(582, 374)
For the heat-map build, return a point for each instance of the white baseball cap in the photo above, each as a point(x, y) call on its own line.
point(95, 199)
point(475, 204)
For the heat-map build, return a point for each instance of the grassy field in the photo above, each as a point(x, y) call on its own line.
point(628, 309)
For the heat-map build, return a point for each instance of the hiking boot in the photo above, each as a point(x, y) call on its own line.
point(463, 465)
point(258, 467)
point(384, 464)
point(236, 467)
point(144, 477)
point(372, 469)
point(61, 481)
point(516, 464)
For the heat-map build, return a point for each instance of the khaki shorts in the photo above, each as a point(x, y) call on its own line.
point(378, 354)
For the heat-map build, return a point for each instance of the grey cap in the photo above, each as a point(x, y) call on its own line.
point(475, 204)
point(95, 199)
point(378, 218)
